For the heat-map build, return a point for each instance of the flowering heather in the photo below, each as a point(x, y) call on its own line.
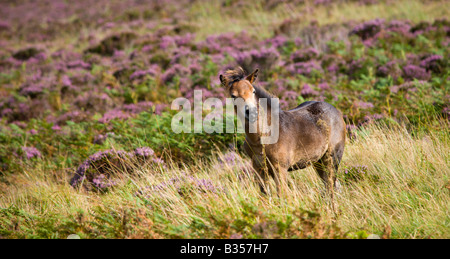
point(136, 108)
point(65, 80)
point(408, 86)
point(166, 42)
point(364, 105)
point(225, 42)
point(368, 119)
point(102, 182)
point(351, 128)
point(160, 107)
point(174, 41)
point(98, 164)
point(369, 29)
point(78, 64)
point(307, 90)
point(31, 152)
point(432, 63)
point(303, 55)
point(400, 27)
point(446, 112)
point(32, 90)
point(291, 95)
point(324, 86)
point(264, 59)
point(175, 70)
point(411, 72)
point(4, 26)
point(74, 116)
point(113, 114)
point(152, 71)
point(96, 171)
point(391, 68)
point(277, 42)
point(304, 68)
point(144, 152)
point(56, 127)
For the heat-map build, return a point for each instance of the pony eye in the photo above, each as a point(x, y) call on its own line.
point(254, 91)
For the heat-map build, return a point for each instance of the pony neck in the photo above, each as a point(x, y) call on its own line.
point(264, 119)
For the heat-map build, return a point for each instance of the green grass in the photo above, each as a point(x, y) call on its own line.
point(259, 20)
point(403, 193)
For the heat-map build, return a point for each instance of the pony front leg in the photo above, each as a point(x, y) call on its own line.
point(262, 176)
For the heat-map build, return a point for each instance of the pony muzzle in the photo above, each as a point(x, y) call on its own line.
point(251, 113)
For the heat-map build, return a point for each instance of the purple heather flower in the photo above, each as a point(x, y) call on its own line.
point(304, 68)
point(138, 107)
point(401, 27)
point(65, 80)
point(113, 114)
point(81, 173)
point(409, 86)
point(304, 55)
point(158, 160)
point(175, 70)
point(32, 90)
point(411, 72)
point(431, 63)
point(369, 29)
point(4, 25)
point(364, 105)
point(333, 68)
point(31, 152)
point(144, 152)
point(323, 86)
point(236, 236)
point(78, 64)
point(101, 182)
point(6, 112)
point(277, 41)
point(290, 95)
point(166, 42)
point(152, 71)
point(298, 41)
point(159, 108)
point(264, 58)
point(307, 90)
point(229, 158)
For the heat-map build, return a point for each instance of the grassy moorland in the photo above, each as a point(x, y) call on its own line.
point(86, 145)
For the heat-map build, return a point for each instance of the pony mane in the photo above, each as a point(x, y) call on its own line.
point(262, 93)
point(234, 75)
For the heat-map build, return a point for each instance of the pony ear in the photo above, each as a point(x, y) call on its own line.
point(223, 81)
point(252, 77)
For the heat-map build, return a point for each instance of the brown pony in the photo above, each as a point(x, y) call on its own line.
point(312, 133)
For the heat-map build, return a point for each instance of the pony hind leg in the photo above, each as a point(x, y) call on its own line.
point(337, 157)
point(325, 168)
